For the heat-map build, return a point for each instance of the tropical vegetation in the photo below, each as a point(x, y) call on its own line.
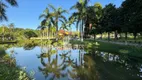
point(104, 35)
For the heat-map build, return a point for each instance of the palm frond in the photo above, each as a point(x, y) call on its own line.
point(52, 21)
point(46, 11)
point(73, 7)
point(3, 11)
point(52, 7)
point(63, 17)
point(43, 22)
point(63, 22)
point(64, 11)
point(42, 16)
point(12, 2)
point(3, 17)
point(3, 5)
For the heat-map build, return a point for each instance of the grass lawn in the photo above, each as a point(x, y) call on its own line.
point(113, 48)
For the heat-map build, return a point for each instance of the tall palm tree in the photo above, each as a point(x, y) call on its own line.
point(41, 28)
point(70, 22)
point(47, 21)
point(64, 25)
point(53, 30)
point(3, 7)
point(80, 15)
point(52, 67)
point(58, 15)
point(3, 32)
point(11, 27)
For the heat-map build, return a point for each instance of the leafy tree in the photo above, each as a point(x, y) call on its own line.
point(4, 30)
point(108, 18)
point(29, 34)
point(97, 18)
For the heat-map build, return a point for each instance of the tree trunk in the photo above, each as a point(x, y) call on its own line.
point(101, 36)
point(120, 36)
point(108, 36)
point(41, 35)
point(3, 34)
point(48, 33)
point(56, 26)
point(126, 36)
point(94, 36)
point(3, 37)
point(116, 35)
point(135, 35)
point(82, 31)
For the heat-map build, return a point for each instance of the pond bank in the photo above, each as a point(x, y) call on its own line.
point(9, 70)
point(8, 42)
point(113, 48)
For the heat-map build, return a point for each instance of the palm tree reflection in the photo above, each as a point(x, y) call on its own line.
point(96, 66)
point(53, 67)
point(61, 65)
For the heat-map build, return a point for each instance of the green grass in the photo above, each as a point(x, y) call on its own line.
point(112, 48)
point(122, 49)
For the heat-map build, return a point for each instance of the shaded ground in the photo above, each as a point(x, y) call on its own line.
point(123, 43)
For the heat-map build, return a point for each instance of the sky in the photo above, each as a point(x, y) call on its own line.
point(26, 15)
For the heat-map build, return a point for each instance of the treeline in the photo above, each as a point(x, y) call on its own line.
point(126, 19)
point(94, 19)
point(9, 32)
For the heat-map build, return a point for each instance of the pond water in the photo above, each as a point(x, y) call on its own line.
point(73, 63)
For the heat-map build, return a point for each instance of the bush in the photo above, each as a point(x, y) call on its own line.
point(2, 52)
point(29, 34)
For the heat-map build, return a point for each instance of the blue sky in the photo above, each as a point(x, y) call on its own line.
point(27, 13)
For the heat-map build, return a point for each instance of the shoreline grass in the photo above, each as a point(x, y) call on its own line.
point(113, 48)
point(7, 42)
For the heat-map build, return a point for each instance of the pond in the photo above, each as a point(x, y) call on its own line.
point(72, 62)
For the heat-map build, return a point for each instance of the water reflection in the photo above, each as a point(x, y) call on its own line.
point(117, 67)
point(71, 62)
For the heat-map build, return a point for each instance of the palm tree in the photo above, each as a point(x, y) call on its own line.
point(70, 22)
point(47, 21)
point(3, 7)
point(11, 27)
point(52, 66)
point(64, 25)
point(58, 15)
point(3, 32)
point(41, 28)
point(53, 30)
point(80, 15)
